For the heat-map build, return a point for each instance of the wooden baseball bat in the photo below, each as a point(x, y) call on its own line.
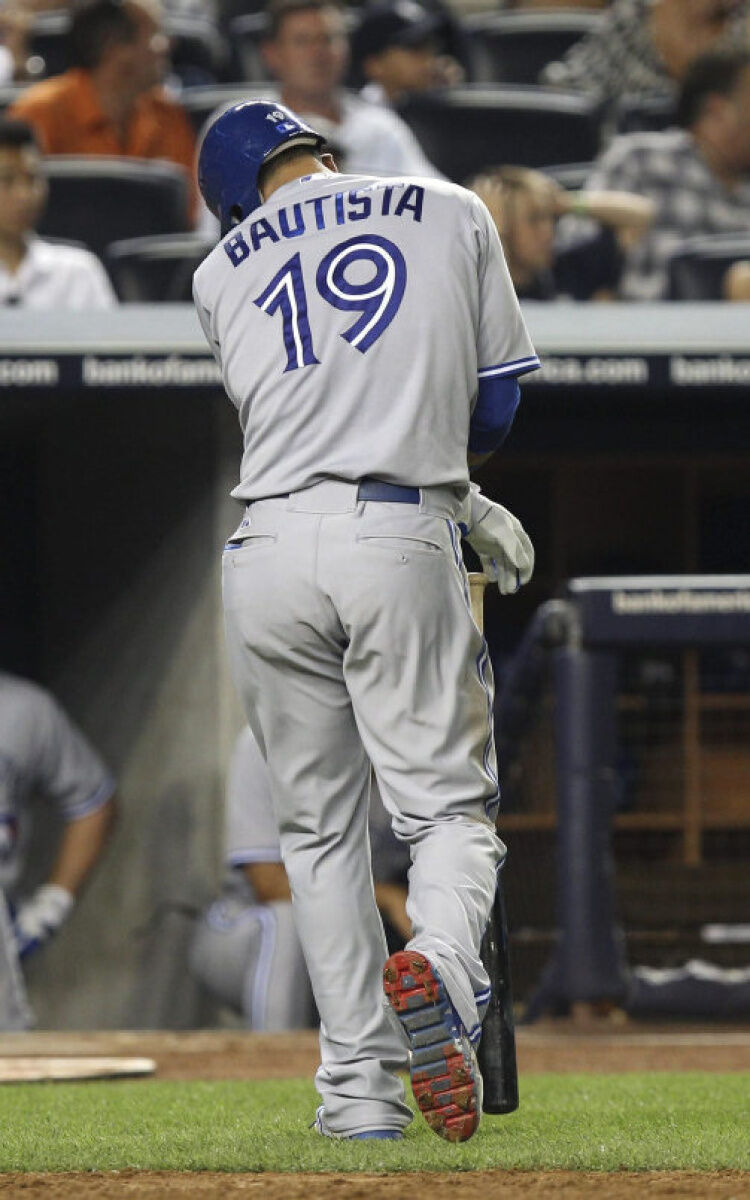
point(497, 1048)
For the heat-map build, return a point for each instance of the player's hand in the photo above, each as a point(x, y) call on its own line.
point(500, 540)
point(39, 917)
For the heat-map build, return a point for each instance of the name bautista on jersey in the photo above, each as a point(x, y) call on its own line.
point(325, 212)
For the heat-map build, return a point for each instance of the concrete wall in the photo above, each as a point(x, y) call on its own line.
point(132, 513)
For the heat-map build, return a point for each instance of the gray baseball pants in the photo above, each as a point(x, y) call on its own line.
point(351, 642)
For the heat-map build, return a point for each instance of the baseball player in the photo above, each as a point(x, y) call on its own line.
point(42, 753)
point(369, 335)
point(246, 950)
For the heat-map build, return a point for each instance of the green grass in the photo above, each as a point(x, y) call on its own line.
point(691, 1121)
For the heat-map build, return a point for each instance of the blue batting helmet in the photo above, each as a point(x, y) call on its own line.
point(237, 145)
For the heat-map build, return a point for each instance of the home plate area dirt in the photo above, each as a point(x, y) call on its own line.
point(552, 1046)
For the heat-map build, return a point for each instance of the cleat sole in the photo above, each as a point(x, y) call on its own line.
point(444, 1075)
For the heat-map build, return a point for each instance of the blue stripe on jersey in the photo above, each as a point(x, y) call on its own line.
point(490, 806)
point(483, 658)
point(261, 982)
point(517, 366)
point(105, 792)
point(493, 413)
point(458, 559)
point(261, 854)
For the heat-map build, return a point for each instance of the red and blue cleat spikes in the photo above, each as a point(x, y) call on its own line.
point(445, 1077)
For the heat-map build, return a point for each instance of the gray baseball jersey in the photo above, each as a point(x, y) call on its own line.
point(41, 751)
point(391, 298)
point(246, 952)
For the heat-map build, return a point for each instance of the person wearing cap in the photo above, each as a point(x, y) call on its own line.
point(307, 51)
point(397, 50)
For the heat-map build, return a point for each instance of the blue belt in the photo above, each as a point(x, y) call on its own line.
point(391, 493)
point(375, 489)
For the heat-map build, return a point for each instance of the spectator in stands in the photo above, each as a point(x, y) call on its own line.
point(697, 176)
point(396, 49)
point(645, 46)
point(307, 50)
point(526, 206)
point(35, 273)
point(737, 282)
point(43, 755)
point(110, 101)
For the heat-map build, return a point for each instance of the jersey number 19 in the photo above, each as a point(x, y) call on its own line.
point(377, 300)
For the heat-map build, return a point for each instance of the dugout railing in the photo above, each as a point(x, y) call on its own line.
point(696, 631)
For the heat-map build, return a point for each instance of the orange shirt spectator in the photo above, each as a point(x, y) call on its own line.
point(110, 102)
point(68, 119)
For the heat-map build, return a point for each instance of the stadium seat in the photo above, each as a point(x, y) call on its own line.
point(637, 113)
point(514, 47)
point(246, 33)
point(153, 269)
point(202, 102)
point(198, 53)
point(98, 200)
point(465, 129)
point(697, 268)
point(229, 9)
point(48, 43)
point(571, 176)
point(9, 93)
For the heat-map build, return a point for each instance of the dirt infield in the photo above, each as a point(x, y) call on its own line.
point(550, 1046)
point(479, 1185)
point(554, 1046)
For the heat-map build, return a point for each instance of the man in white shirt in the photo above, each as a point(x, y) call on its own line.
point(307, 50)
point(35, 273)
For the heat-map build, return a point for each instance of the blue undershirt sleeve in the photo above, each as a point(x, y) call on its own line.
point(497, 400)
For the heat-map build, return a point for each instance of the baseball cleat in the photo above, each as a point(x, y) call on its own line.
point(445, 1076)
point(366, 1135)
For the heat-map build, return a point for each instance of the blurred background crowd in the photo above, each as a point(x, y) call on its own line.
point(610, 138)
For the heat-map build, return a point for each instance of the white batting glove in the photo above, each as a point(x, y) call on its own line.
point(39, 917)
point(501, 542)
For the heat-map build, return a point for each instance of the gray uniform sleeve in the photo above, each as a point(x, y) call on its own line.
point(67, 768)
point(503, 343)
point(252, 834)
